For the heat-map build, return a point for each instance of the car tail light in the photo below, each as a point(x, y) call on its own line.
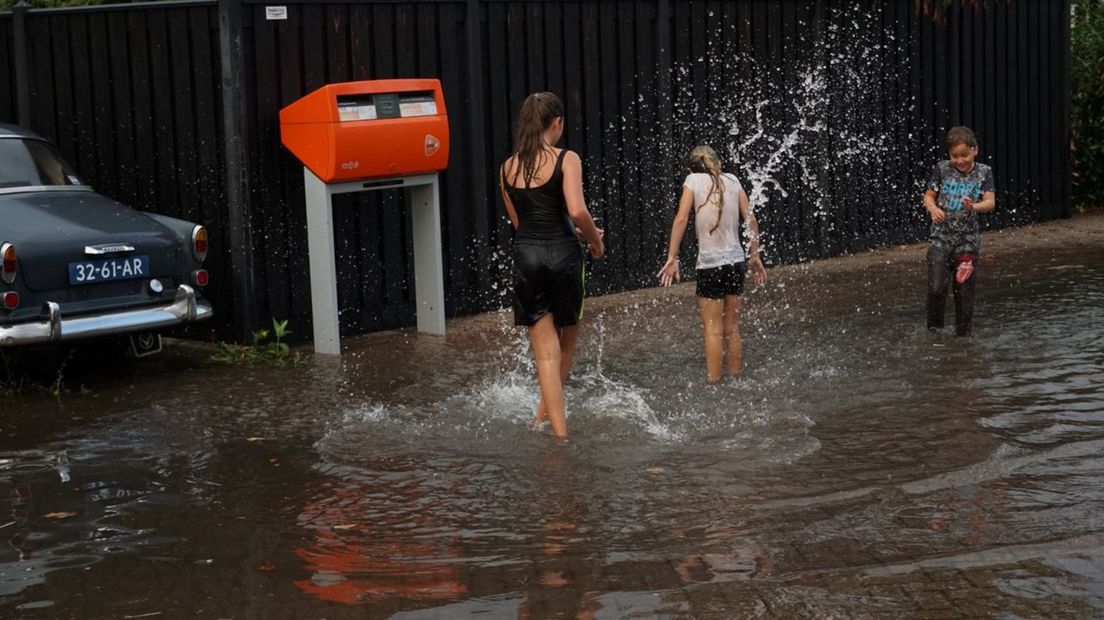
point(199, 243)
point(11, 300)
point(200, 277)
point(7, 253)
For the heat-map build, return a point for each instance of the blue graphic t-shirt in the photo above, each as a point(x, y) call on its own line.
point(959, 233)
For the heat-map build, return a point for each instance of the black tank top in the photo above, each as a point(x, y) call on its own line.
point(542, 210)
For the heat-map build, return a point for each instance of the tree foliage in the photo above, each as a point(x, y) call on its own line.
point(1087, 73)
point(6, 5)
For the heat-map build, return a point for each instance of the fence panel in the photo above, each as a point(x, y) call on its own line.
point(831, 113)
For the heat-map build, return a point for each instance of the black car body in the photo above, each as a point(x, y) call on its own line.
point(75, 264)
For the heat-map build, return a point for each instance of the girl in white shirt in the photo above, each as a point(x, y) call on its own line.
point(719, 204)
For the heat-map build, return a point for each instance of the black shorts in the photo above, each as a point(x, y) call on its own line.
point(717, 282)
point(548, 277)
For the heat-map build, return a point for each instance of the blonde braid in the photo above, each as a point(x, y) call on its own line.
point(704, 159)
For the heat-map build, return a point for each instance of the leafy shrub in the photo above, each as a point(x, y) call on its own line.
point(1087, 73)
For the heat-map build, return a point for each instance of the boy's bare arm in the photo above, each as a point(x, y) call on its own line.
point(987, 203)
point(933, 209)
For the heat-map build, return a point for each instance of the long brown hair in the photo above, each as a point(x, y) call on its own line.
point(538, 111)
point(704, 159)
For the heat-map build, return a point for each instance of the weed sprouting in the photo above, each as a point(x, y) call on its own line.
point(267, 347)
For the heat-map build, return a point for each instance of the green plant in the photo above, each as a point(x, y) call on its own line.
point(267, 347)
point(1087, 98)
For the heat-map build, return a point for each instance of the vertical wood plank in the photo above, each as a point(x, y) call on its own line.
point(7, 71)
point(145, 150)
point(275, 197)
point(628, 154)
point(122, 106)
point(612, 190)
point(652, 166)
point(102, 112)
point(501, 113)
point(42, 97)
point(207, 97)
point(67, 127)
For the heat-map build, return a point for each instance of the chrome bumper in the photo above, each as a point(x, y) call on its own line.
point(54, 328)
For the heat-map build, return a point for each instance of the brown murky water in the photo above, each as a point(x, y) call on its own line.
point(860, 468)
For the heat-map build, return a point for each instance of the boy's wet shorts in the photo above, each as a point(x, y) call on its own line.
point(717, 282)
point(548, 277)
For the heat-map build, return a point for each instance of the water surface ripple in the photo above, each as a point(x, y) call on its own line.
point(861, 467)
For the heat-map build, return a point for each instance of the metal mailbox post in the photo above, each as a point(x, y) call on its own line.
point(368, 136)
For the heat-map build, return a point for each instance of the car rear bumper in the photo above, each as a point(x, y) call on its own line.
point(185, 308)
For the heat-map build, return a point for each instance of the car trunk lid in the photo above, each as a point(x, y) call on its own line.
point(55, 228)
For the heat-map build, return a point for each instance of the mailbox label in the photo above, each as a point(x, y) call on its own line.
point(418, 108)
point(356, 111)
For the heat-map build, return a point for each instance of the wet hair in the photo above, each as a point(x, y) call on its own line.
point(704, 159)
point(961, 135)
point(538, 111)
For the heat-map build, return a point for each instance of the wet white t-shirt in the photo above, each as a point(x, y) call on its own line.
point(722, 246)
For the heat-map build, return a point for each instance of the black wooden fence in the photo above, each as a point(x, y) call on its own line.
point(831, 112)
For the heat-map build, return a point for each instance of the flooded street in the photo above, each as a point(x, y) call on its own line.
point(861, 467)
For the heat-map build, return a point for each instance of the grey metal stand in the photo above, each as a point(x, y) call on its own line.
point(429, 281)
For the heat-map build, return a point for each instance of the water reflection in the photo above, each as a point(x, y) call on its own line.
point(375, 539)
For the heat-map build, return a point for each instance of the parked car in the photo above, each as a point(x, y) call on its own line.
point(77, 264)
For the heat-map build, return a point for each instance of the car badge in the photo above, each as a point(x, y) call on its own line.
point(107, 248)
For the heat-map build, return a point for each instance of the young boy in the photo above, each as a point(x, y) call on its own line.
point(958, 190)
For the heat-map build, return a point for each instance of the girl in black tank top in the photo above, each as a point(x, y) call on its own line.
point(542, 210)
point(548, 259)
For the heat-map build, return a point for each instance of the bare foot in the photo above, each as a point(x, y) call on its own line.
point(539, 419)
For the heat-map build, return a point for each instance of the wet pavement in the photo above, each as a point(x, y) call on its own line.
point(861, 467)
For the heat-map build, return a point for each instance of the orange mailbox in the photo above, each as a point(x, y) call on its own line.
point(374, 128)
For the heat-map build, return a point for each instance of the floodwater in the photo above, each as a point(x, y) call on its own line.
point(861, 467)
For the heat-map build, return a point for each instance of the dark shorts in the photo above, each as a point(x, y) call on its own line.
point(717, 282)
point(548, 277)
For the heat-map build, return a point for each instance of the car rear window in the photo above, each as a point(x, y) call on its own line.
point(32, 163)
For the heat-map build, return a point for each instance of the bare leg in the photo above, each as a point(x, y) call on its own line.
point(545, 340)
point(712, 313)
point(733, 341)
point(568, 337)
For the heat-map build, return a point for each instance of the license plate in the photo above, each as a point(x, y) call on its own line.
point(108, 269)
